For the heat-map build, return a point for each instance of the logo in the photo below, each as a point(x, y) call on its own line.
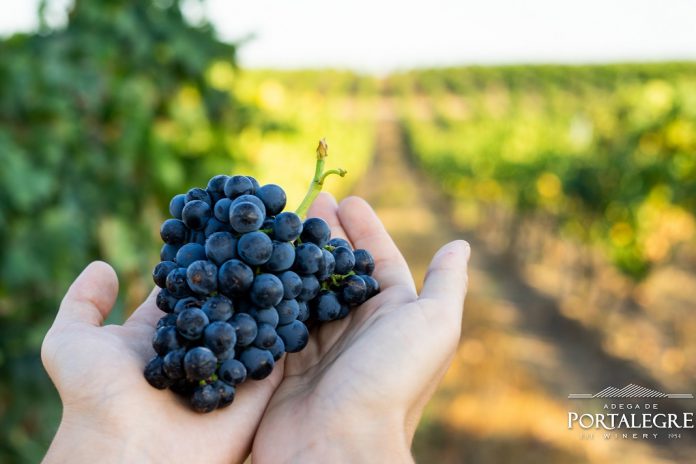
point(632, 412)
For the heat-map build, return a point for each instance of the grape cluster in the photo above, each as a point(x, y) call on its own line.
point(240, 281)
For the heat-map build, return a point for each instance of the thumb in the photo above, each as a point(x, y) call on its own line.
point(90, 297)
point(446, 279)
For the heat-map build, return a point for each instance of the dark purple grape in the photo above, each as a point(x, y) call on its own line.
point(345, 260)
point(251, 199)
point(259, 363)
point(218, 308)
point(173, 364)
point(226, 393)
point(198, 194)
point(205, 398)
point(202, 277)
point(166, 301)
point(214, 226)
point(155, 375)
point(326, 266)
point(273, 198)
point(317, 231)
point(267, 316)
point(237, 186)
point(177, 205)
point(165, 340)
point(245, 327)
point(287, 311)
point(173, 231)
point(222, 210)
point(168, 252)
point(219, 336)
point(345, 310)
point(265, 337)
point(196, 214)
point(191, 323)
point(310, 288)
point(197, 236)
point(292, 284)
point(308, 257)
point(354, 290)
point(282, 257)
point(232, 372)
point(338, 241)
point(168, 320)
point(161, 271)
point(287, 227)
point(364, 262)
point(245, 217)
point(371, 285)
point(189, 253)
point(176, 283)
point(278, 348)
point(303, 313)
point(188, 302)
point(327, 305)
point(254, 183)
point(199, 363)
point(295, 336)
point(183, 387)
point(234, 278)
point(229, 353)
point(266, 291)
point(255, 248)
point(221, 247)
point(216, 187)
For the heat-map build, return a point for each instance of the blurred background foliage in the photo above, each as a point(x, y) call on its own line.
point(576, 185)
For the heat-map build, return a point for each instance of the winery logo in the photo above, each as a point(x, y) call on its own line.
point(629, 391)
point(633, 412)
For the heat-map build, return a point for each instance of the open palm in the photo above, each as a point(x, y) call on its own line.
point(363, 381)
point(98, 371)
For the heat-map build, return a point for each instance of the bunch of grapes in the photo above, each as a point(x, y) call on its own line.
point(240, 281)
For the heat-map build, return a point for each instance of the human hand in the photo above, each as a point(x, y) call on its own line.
point(357, 391)
point(110, 413)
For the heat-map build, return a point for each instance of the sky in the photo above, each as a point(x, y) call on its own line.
point(381, 36)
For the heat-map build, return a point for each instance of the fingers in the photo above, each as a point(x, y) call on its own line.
point(147, 313)
point(325, 207)
point(446, 279)
point(90, 297)
point(365, 230)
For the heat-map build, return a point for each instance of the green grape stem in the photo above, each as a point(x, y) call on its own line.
point(318, 180)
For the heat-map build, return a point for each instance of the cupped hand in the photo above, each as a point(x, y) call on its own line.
point(356, 392)
point(110, 413)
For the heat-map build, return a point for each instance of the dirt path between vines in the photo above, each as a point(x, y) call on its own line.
point(505, 397)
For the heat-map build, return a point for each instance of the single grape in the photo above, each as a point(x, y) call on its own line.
point(183, 387)
point(198, 194)
point(185, 303)
point(176, 283)
point(155, 375)
point(202, 277)
point(168, 252)
point(214, 226)
point(345, 260)
point(292, 284)
point(254, 183)
point(266, 291)
point(326, 266)
point(173, 231)
point(161, 271)
point(265, 336)
point(277, 349)
point(219, 336)
point(226, 393)
point(354, 290)
point(308, 257)
point(287, 227)
point(259, 363)
point(255, 248)
point(166, 301)
point(221, 210)
point(287, 311)
point(327, 305)
point(191, 322)
point(168, 320)
point(338, 241)
point(364, 262)
point(218, 308)
point(229, 353)
point(282, 257)
point(165, 340)
point(310, 288)
point(273, 197)
point(246, 329)
point(199, 363)
point(189, 253)
point(177, 205)
point(221, 247)
point(173, 364)
point(317, 231)
point(267, 316)
point(196, 214)
point(234, 278)
point(250, 199)
point(232, 372)
point(345, 310)
point(238, 185)
point(303, 312)
point(371, 285)
point(205, 398)
point(216, 187)
point(295, 336)
point(245, 217)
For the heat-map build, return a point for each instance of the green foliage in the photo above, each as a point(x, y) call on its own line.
point(100, 123)
point(608, 151)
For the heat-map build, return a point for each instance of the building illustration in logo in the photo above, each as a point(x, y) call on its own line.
point(630, 391)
